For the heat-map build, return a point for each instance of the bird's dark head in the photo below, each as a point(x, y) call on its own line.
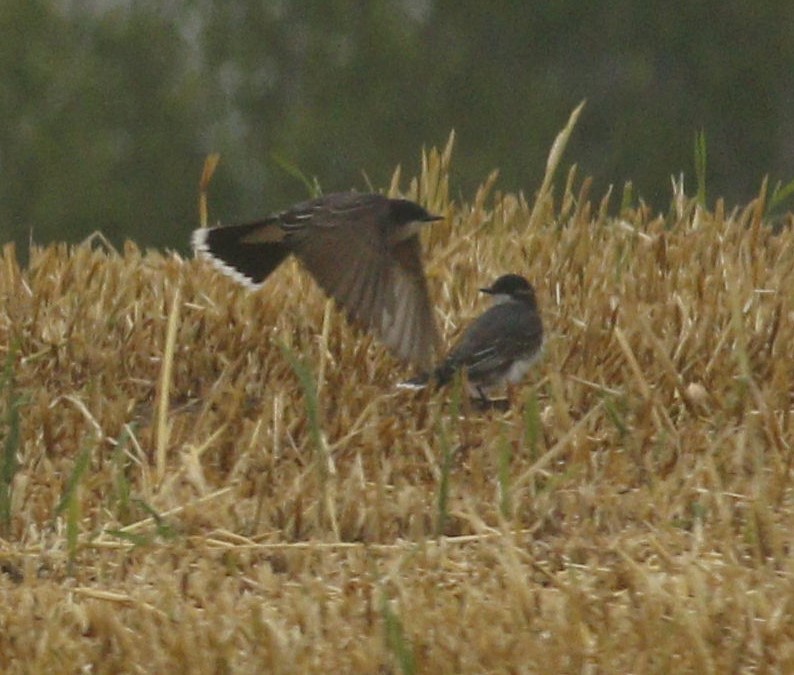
point(511, 286)
point(408, 217)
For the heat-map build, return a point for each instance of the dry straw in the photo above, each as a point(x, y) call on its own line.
point(630, 512)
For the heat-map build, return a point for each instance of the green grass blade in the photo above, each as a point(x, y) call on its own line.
point(700, 166)
point(131, 537)
point(11, 443)
point(780, 194)
point(122, 489)
point(615, 411)
point(627, 198)
point(443, 486)
point(162, 528)
point(70, 503)
point(532, 423)
point(311, 184)
point(396, 642)
point(323, 462)
point(73, 480)
point(505, 461)
point(308, 384)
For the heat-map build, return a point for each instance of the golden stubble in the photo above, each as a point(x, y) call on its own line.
point(639, 520)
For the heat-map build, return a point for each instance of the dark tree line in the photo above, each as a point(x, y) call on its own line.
point(109, 108)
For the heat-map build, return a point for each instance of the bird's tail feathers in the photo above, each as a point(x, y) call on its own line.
point(436, 378)
point(415, 383)
point(238, 251)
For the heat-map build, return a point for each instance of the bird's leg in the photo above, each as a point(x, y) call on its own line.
point(483, 401)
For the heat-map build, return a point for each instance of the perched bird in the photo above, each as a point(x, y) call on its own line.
point(362, 249)
point(499, 346)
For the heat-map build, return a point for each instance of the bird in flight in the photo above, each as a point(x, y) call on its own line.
point(363, 250)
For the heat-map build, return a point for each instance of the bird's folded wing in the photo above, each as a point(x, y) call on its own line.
point(485, 361)
point(496, 338)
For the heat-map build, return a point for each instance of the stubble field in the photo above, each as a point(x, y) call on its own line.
point(201, 479)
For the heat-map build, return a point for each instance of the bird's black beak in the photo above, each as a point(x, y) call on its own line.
point(486, 290)
point(430, 218)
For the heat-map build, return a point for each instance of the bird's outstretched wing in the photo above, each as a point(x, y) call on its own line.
point(381, 287)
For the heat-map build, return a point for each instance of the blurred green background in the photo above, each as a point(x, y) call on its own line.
point(108, 108)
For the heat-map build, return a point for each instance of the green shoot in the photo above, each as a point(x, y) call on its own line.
point(121, 484)
point(700, 166)
point(532, 423)
point(396, 642)
point(10, 461)
point(627, 199)
point(323, 462)
point(307, 382)
point(70, 503)
point(505, 457)
point(615, 416)
point(443, 487)
point(131, 537)
point(312, 184)
point(780, 194)
point(162, 528)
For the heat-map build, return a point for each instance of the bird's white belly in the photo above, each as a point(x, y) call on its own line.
point(517, 371)
point(520, 368)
